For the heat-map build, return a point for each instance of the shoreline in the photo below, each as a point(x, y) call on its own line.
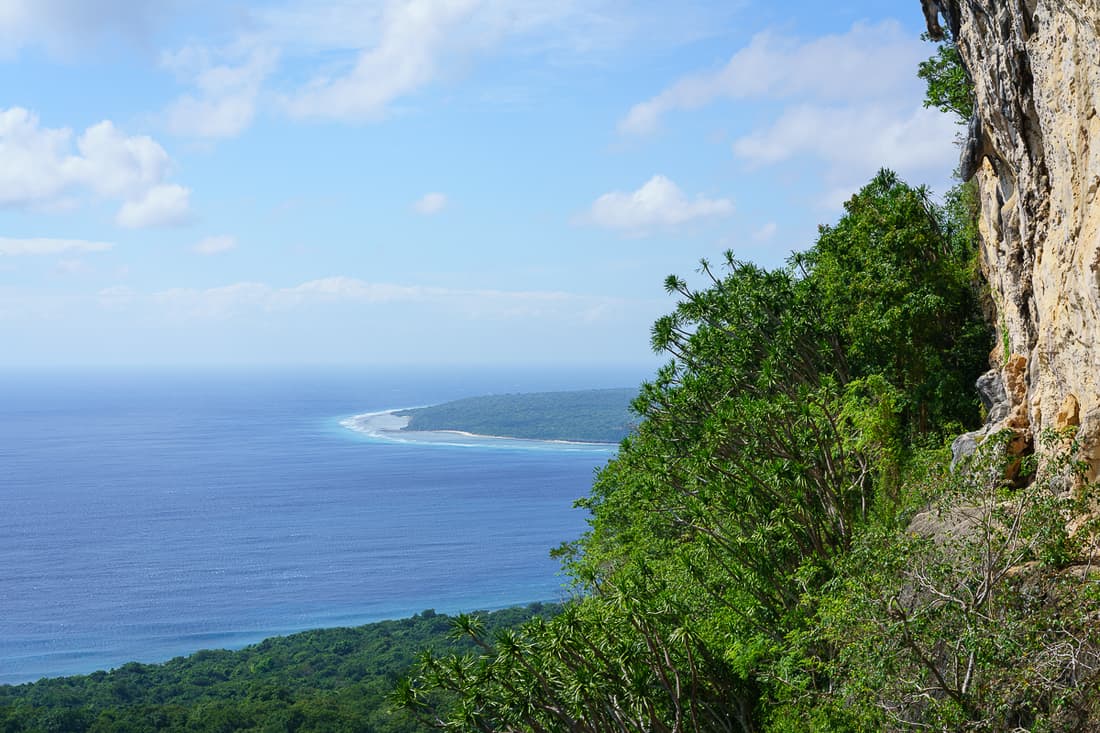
point(388, 425)
point(246, 640)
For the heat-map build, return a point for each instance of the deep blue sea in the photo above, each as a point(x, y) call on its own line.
point(149, 514)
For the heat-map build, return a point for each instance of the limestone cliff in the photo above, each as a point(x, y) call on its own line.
point(1035, 149)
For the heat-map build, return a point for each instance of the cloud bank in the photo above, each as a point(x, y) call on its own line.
point(867, 62)
point(850, 102)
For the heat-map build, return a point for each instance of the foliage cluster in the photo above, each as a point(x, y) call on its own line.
point(948, 87)
point(324, 680)
point(984, 616)
point(594, 415)
point(750, 563)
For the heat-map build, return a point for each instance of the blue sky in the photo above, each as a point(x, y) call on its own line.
point(423, 181)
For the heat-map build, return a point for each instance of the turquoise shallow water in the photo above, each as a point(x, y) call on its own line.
point(148, 515)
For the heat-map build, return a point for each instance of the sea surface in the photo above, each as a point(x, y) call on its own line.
point(148, 514)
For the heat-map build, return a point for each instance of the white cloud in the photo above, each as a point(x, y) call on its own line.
point(114, 165)
point(215, 245)
point(867, 62)
point(362, 57)
point(851, 107)
point(855, 135)
point(405, 58)
point(164, 205)
point(353, 60)
point(766, 233)
point(430, 203)
point(565, 27)
point(39, 246)
point(107, 162)
point(854, 142)
point(43, 168)
point(223, 116)
point(225, 98)
point(658, 204)
point(33, 166)
point(402, 46)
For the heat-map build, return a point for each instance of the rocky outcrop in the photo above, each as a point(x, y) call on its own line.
point(995, 402)
point(1036, 155)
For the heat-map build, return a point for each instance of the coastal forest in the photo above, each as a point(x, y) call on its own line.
point(323, 680)
point(784, 542)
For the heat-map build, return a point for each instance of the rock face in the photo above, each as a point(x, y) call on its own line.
point(991, 390)
point(1036, 71)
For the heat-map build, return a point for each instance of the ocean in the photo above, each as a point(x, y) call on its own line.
point(149, 514)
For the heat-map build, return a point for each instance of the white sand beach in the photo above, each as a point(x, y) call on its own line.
point(378, 424)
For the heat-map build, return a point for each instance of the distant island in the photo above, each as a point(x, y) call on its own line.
point(590, 416)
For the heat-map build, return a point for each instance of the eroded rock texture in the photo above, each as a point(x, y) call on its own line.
point(1036, 70)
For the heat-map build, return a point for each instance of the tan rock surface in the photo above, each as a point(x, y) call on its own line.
point(1036, 69)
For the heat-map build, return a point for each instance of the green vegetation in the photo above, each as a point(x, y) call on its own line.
point(777, 448)
point(983, 616)
point(948, 86)
point(780, 546)
point(325, 680)
point(595, 415)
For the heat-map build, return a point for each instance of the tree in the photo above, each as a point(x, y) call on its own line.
point(895, 276)
point(948, 86)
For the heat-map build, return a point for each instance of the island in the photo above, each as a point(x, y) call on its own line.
point(587, 416)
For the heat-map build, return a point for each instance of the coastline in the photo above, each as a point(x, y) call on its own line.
point(388, 425)
point(242, 641)
point(241, 649)
point(378, 424)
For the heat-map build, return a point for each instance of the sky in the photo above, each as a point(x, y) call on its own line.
point(428, 182)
